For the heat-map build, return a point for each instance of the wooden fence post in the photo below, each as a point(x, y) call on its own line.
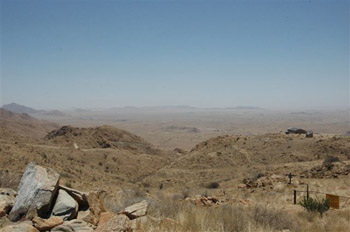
point(295, 197)
point(307, 191)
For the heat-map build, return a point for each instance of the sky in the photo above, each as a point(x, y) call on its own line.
point(61, 54)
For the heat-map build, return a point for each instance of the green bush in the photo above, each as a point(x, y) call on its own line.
point(313, 205)
point(212, 185)
point(69, 185)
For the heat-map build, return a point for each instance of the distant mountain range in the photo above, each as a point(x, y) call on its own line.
point(245, 108)
point(16, 108)
point(20, 109)
point(184, 107)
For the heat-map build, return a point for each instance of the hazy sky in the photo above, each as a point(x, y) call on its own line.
point(273, 54)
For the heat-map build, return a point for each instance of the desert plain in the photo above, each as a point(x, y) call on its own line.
point(198, 169)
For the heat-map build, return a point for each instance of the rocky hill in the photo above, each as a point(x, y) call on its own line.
point(225, 158)
point(99, 137)
point(112, 156)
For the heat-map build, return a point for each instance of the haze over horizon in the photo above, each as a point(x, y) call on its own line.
point(102, 54)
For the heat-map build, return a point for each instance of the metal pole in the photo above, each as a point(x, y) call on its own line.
point(295, 197)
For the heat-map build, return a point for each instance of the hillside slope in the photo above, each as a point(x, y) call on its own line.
point(23, 125)
point(227, 158)
point(99, 137)
point(103, 157)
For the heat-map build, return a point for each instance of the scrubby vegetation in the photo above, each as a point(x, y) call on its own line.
point(212, 185)
point(314, 205)
point(328, 162)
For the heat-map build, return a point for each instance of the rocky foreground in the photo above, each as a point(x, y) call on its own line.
point(42, 204)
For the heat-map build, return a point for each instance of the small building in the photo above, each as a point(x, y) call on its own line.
point(294, 130)
point(309, 134)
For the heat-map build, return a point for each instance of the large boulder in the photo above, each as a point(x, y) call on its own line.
point(36, 190)
point(82, 214)
point(46, 224)
point(96, 201)
point(7, 199)
point(105, 217)
point(136, 210)
point(65, 207)
point(137, 224)
point(73, 226)
point(21, 227)
point(118, 223)
point(80, 197)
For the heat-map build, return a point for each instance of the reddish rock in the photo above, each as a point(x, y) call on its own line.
point(46, 224)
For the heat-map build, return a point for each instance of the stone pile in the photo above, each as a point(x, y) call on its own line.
point(42, 204)
point(268, 181)
point(327, 172)
point(204, 200)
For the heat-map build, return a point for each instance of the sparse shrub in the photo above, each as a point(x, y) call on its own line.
point(125, 198)
point(69, 184)
point(44, 156)
point(212, 185)
point(313, 205)
point(205, 194)
point(100, 163)
point(328, 166)
point(256, 176)
point(66, 175)
point(161, 186)
point(234, 219)
point(167, 206)
point(146, 185)
point(272, 218)
point(185, 193)
point(329, 160)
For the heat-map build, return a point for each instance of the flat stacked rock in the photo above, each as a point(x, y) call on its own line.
point(43, 205)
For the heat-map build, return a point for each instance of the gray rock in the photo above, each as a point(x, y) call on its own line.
point(80, 197)
point(75, 225)
point(36, 190)
point(65, 207)
point(7, 199)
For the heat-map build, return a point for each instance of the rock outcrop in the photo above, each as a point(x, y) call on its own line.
point(118, 223)
point(105, 217)
point(204, 200)
point(51, 207)
point(136, 210)
point(96, 203)
point(46, 224)
point(80, 197)
point(75, 225)
point(65, 207)
point(21, 227)
point(7, 199)
point(36, 191)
